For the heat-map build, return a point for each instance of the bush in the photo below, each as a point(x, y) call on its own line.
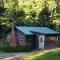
point(18, 49)
point(23, 48)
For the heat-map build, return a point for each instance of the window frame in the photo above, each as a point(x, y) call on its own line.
point(41, 38)
point(22, 39)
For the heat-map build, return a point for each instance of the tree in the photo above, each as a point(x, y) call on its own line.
point(21, 16)
point(56, 15)
point(45, 18)
point(2, 10)
point(31, 19)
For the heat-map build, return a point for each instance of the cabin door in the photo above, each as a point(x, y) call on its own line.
point(41, 42)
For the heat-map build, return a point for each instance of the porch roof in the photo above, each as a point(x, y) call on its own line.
point(42, 30)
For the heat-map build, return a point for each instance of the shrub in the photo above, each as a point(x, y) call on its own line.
point(18, 49)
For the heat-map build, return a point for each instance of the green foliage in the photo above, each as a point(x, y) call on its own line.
point(2, 27)
point(44, 55)
point(28, 13)
point(44, 18)
point(55, 55)
point(17, 49)
point(2, 10)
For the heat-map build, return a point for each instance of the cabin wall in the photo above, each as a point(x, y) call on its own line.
point(59, 40)
point(31, 41)
point(51, 42)
point(11, 39)
point(20, 38)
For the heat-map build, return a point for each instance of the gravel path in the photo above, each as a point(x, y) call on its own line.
point(13, 55)
point(20, 54)
point(6, 55)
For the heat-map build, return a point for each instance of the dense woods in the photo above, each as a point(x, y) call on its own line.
point(44, 13)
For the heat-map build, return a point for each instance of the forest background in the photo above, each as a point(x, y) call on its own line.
point(42, 13)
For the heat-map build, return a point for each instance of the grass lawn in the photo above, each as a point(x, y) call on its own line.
point(2, 51)
point(45, 55)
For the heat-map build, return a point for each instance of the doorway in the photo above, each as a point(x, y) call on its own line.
point(41, 42)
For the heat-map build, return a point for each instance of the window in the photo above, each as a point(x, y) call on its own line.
point(41, 38)
point(21, 40)
point(21, 37)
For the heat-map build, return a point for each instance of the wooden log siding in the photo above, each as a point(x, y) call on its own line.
point(18, 34)
point(51, 42)
point(59, 41)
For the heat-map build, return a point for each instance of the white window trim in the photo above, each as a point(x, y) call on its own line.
point(42, 37)
point(22, 40)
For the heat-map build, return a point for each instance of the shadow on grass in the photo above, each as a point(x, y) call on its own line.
point(53, 55)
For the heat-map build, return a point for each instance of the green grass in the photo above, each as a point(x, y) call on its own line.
point(2, 51)
point(54, 55)
point(45, 55)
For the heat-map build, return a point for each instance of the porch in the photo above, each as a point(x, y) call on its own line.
point(51, 41)
point(42, 41)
